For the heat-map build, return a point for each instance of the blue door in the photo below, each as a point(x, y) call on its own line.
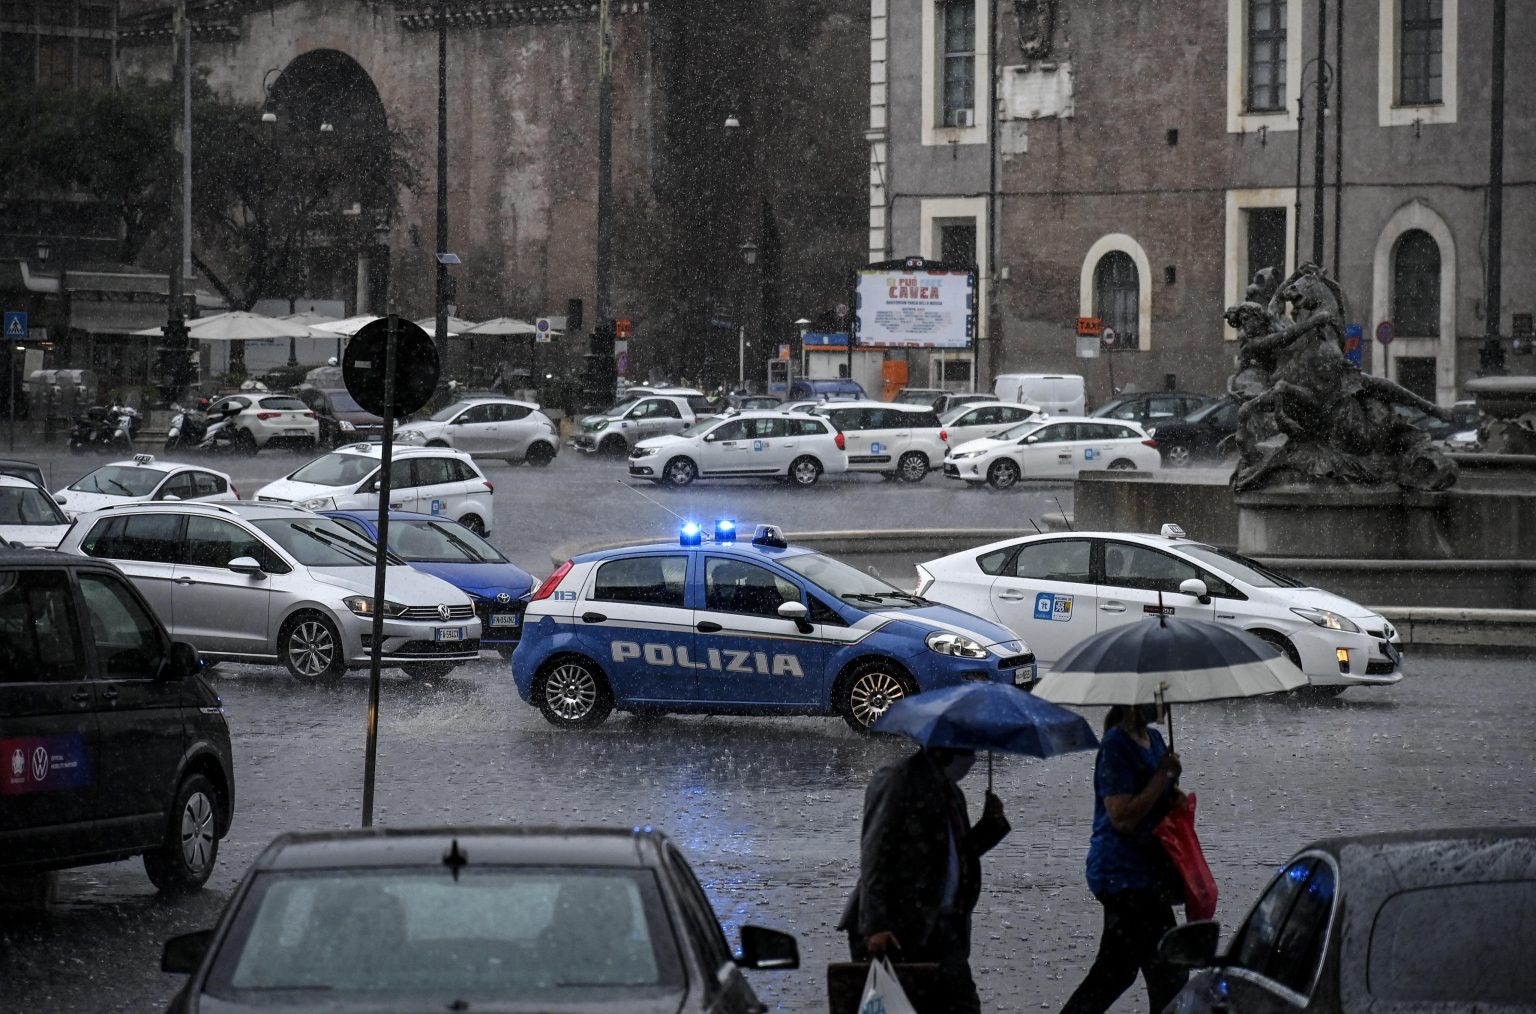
point(633, 619)
point(748, 653)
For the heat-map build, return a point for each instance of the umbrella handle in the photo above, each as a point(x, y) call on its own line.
point(989, 770)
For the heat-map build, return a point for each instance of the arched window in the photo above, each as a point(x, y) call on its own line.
point(1416, 285)
point(1117, 295)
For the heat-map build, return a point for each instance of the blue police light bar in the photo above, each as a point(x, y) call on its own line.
point(725, 530)
point(691, 534)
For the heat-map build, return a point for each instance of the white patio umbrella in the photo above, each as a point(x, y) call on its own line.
point(456, 326)
point(349, 327)
point(237, 325)
point(501, 326)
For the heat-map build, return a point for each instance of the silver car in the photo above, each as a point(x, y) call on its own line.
point(264, 583)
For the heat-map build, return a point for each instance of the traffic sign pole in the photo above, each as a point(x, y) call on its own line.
point(16, 329)
point(380, 563)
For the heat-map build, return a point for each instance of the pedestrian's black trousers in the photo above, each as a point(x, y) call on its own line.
point(1134, 922)
point(950, 945)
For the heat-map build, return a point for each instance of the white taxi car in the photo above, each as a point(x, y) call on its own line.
point(428, 480)
point(1059, 589)
point(774, 445)
point(1057, 447)
point(980, 420)
point(898, 441)
point(142, 477)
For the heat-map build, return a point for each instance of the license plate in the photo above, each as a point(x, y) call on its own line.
point(294, 432)
point(1024, 677)
point(506, 619)
point(449, 634)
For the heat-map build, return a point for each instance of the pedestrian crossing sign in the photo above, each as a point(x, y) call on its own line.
point(15, 324)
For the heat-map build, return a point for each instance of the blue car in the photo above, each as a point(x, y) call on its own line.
point(716, 626)
point(446, 549)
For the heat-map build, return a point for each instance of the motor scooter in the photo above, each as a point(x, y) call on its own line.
point(220, 434)
point(187, 427)
point(104, 429)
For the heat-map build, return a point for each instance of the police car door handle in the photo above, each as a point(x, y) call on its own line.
point(1112, 607)
point(593, 618)
point(708, 627)
point(1011, 596)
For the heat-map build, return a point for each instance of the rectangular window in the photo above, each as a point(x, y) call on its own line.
point(95, 63)
point(94, 16)
point(39, 639)
point(959, 96)
point(23, 12)
point(58, 12)
point(1420, 47)
point(1266, 56)
point(650, 580)
point(18, 59)
point(55, 63)
point(957, 243)
point(1266, 239)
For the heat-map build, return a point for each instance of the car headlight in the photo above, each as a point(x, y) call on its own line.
point(946, 643)
point(599, 426)
point(643, 452)
point(315, 503)
point(411, 436)
point(362, 605)
point(962, 455)
point(1327, 618)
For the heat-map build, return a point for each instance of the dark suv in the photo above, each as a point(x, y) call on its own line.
point(111, 744)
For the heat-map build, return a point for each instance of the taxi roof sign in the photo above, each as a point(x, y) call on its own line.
point(143, 459)
point(1171, 531)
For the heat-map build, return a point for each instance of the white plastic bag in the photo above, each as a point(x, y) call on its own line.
point(882, 992)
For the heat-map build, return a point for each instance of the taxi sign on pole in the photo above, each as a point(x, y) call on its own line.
point(1090, 326)
point(1385, 332)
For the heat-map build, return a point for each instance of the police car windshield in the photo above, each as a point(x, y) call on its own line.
point(120, 480)
point(561, 937)
point(337, 470)
point(1243, 569)
point(440, 542)
point(848, 583)
point(318, 542)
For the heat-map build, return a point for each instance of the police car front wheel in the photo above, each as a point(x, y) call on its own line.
point(870, 689)
point(572, 692)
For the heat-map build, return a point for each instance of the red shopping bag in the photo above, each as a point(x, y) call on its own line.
point(1177, 834)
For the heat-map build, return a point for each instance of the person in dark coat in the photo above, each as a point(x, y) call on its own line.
point(920, 869)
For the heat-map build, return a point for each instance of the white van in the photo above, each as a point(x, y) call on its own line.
point(1055, 393)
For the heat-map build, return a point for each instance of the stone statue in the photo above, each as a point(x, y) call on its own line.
point(1037, 26)
point(1307, 413)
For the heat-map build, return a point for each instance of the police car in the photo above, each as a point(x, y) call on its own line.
point(712, 625)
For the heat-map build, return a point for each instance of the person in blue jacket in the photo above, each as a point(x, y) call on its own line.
point(1134, 786)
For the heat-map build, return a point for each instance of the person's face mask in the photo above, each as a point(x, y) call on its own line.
point(961, 765)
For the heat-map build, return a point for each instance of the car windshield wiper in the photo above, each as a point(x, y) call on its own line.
point(345, 548)
point(861, 596)
point(125, 489)
point(462, 546)
point(905, 596)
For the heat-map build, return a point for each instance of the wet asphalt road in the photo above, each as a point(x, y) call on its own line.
point(768, 809)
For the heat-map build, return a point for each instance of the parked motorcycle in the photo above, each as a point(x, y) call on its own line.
point(105, 429)
point(188, 427)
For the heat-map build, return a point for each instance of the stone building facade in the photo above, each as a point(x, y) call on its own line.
point(1144, 161)
point(522, 87)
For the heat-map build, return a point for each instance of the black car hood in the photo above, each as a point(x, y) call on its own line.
point(297, 1002)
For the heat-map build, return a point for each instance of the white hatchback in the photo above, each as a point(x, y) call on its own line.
point(268, 420)
point(1059, 589)
point(1052, 448)
point(777, 445)
point(144, 478)
point(488, 428)
point(898, 441)
point(978, 421)
point(428, 480)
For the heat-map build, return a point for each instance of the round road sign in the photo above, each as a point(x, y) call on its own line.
point(1385, 332)
point(416, 366)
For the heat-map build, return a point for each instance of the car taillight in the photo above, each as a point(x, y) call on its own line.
point(944, 435)
point(235, 490)
point(1150, 442)
point(488, 487)
point(842, 444)
point(552, 582)
point(309, 415)
point(267, 415)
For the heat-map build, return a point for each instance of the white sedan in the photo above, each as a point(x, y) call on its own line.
point(1057, 447)
point(978, 421)
point(268, 420)
point(488, 428)
point(144, 478)
point(28, 515)
point(779, 445)
point(1059, 589)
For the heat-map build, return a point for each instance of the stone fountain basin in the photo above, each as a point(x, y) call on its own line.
point(1504, 397)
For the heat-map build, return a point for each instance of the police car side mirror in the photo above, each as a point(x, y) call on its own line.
point(1196, 587)
point(793, 610)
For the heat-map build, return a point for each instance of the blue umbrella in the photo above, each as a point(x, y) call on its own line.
point(987, 716)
